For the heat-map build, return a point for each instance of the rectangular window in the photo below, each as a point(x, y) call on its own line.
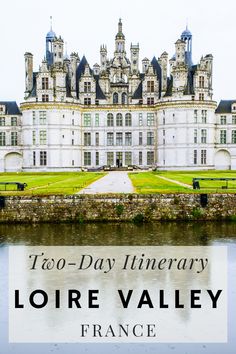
point(42, 117)
point(87, 158)
point(96, 119)
point(13, 121)
point(195, 136)
point(150, 86)
point(2, 121)
point(233, 136)
point(195, 157)
point(45, 83)
point(150, 119)
point(201, 96)
point(43, 158)
point(150, 138)
point(87, 101)
point(45, 98)
point(87, 119)
point(43, 137)
point(2, 138)
point(128, 139)
point(87, 139)
point(223, 120)
point(14, 139)
point(203, 157)
point(140, 158)
point(110, 139)
point(87, 87)
point(72, 142)
point(97, 139)
point(201, 81)
point(195, 116)
point(140, 119)
point(128, 158)
point(203, 136)
point(33, 137)
point(204, 116)
point(110, 158)
point(34, 158)
point(223, 136)
point(150, 157)
point(140, 138)
point(150, 101)
point(97, 158)
point(233, 119)
point(119, 139)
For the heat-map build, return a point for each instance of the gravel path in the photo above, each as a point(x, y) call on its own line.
point(113, 182)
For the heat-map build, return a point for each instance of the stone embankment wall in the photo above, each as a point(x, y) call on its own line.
point(137, 208)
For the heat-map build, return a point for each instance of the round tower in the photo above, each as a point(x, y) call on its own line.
point(51, 35)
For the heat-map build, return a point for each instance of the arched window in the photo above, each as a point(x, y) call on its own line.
point(128, 120)
point(124, 98)
point(115, 98)
point(119, 120)
point(110, 120)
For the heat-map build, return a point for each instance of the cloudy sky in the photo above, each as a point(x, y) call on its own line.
point(84, 25)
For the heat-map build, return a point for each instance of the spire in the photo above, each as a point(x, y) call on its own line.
point(51, 23)
point(120, 26)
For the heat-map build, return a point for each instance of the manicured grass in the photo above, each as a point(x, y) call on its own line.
point(149, 182)
point(48, 183)
point(186, 177)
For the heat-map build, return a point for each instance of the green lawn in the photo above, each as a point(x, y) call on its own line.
point(149, 182)
point(186, 177)
point(48, 183)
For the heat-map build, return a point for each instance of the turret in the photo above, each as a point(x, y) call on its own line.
point(103, 57)
point(134, 53)
point(58, 44)
point(49, 45)
point(180, 52)
point(74, 59)
point(28, 72)
point(186, 36)
point(120, 41)
point(145, 64)
point(163, 61)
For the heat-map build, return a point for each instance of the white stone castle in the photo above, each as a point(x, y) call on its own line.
point(114, 114)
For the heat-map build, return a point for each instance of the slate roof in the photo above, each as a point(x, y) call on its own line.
point(225, 106)
point(169, 86)
point(157, 68)
point(138, 93)
point(11, 107)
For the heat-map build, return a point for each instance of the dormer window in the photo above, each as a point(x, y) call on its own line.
point(233, 108)
point(87, 87)
point(2, 109)
point(45, 83)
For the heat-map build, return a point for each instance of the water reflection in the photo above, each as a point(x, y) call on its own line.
point(188, 234)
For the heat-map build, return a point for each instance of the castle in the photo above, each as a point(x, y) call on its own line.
point(112, 114)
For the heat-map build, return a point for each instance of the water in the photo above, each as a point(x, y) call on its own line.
point(205, 234)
